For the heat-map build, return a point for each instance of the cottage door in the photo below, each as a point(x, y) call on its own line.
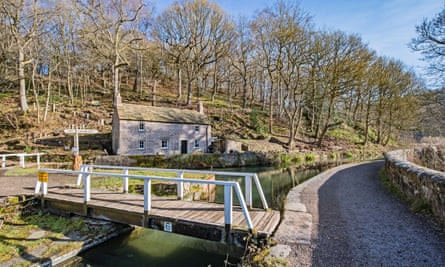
point(184, 147)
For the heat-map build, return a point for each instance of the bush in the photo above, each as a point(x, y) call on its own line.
point(257, 123)
point(297, 159)
point(309, 157)
point(348, 155)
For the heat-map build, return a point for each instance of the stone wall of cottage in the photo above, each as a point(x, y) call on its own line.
point(147, 140)
point(416, 182)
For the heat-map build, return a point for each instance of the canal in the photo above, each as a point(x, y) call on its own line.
point(146, 247)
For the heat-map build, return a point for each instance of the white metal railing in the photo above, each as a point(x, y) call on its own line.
point(248, 177)
point(21, 157)
point(42, 187)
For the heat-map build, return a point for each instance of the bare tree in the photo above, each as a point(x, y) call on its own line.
point(430, 42)
point(195, 34)
point(241, 57)
point(110, 29)
point(24, 20)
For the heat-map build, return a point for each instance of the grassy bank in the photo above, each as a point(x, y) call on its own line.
point(29, 236)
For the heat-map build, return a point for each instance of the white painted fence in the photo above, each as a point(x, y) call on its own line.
point(42, 188)
point(21, 157)
point(248, 177)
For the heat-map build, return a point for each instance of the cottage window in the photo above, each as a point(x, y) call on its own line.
point(197, 129)
point(196, 143)
point(164, 144)
point(141, 144)
point(141, 126)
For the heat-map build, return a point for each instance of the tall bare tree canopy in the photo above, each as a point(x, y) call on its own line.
point(430, 42)
point(111, 28)
point(24, 20)
point(275, 63)
point(194, 34)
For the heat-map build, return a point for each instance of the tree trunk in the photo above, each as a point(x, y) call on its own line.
point(48, 97)
point(326, 124)
point(21, 74)
point(244, 92)
point(189, 91)
point(70, 84)
point(36, 93)
point(368, 111)
point(153, 93)
point(179, 73)
point(215, 81)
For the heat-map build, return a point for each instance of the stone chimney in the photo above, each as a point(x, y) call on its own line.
point(200, 107)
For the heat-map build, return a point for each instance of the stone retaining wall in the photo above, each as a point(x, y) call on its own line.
point(416, 182)
point(432, 157)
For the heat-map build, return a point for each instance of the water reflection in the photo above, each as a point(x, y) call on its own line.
point(146, 247)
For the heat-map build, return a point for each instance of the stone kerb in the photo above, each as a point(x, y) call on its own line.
point(416, 182)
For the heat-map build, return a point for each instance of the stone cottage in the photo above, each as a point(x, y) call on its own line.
point(148, 130)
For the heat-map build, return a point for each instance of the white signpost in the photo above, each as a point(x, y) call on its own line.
point(76, 131)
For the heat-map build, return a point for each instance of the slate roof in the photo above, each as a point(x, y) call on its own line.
point(160, 114)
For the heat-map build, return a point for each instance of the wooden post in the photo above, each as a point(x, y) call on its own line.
point(79, 177)
point(180, 186)
point(22, 160)
point(38, 187)
point(260, 191)
point(86, 187)
point(243, 206)
point(125, 186)
point(38, 160)
point(228, 203)
point(147, 196)
point(248, 190)
point(3, 161)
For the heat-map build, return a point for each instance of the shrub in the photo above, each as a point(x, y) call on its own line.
point(348, 155)
point(309, 157)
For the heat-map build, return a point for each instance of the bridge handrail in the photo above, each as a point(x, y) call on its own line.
point(248, 176)
point(21, 157)
point(228, 185)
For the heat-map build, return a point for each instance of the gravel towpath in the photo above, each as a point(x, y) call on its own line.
point(25, 185)
point(344, 217)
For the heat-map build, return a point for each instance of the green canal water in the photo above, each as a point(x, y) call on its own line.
point(147, 247)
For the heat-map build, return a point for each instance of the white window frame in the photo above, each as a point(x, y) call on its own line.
point(141, 126)
point(197, 129)
point(197, 143)
point(141, 144)
point(162, 144)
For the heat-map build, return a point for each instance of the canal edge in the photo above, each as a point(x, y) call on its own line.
point(88, 244)
point(298, 227)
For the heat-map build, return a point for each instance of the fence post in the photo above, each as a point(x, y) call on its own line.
point(38, 187)
point(38, 160)
point(86, 187)
point(243, 206)
point(228, 203)
point(45, 188)
point(3, 161)
point(22, 160)
point(248, 190)
point(180, 186)
point(260, 191)
point(147, 196)
point(125, 180)
point(79, 177)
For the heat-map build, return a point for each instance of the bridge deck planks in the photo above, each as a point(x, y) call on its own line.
point(200, 212)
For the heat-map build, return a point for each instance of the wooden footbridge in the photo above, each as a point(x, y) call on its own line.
point(207, 220)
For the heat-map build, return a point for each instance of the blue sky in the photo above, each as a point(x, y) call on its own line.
point(387, 26)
